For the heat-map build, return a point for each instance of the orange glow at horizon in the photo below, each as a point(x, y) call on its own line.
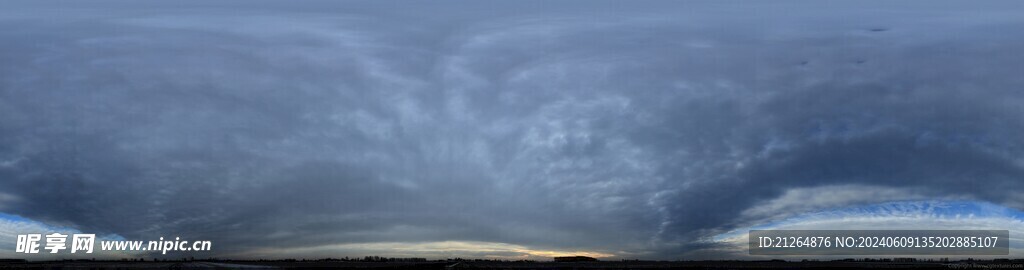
point(440, 249)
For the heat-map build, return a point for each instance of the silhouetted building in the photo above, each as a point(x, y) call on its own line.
point(574, 259)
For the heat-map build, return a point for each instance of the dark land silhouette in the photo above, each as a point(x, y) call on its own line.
point(375, 262)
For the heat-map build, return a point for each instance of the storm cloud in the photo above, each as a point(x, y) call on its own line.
point(634, 130)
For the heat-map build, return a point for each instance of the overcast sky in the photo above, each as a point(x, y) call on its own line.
point(518, 129)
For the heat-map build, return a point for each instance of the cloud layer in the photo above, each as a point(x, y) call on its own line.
point(637, 131)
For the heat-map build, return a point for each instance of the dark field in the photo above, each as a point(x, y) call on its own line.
point(1015, 264)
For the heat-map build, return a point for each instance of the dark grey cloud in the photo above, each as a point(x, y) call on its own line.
point(637, 130)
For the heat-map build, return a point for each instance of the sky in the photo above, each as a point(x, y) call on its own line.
point(506, 129)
